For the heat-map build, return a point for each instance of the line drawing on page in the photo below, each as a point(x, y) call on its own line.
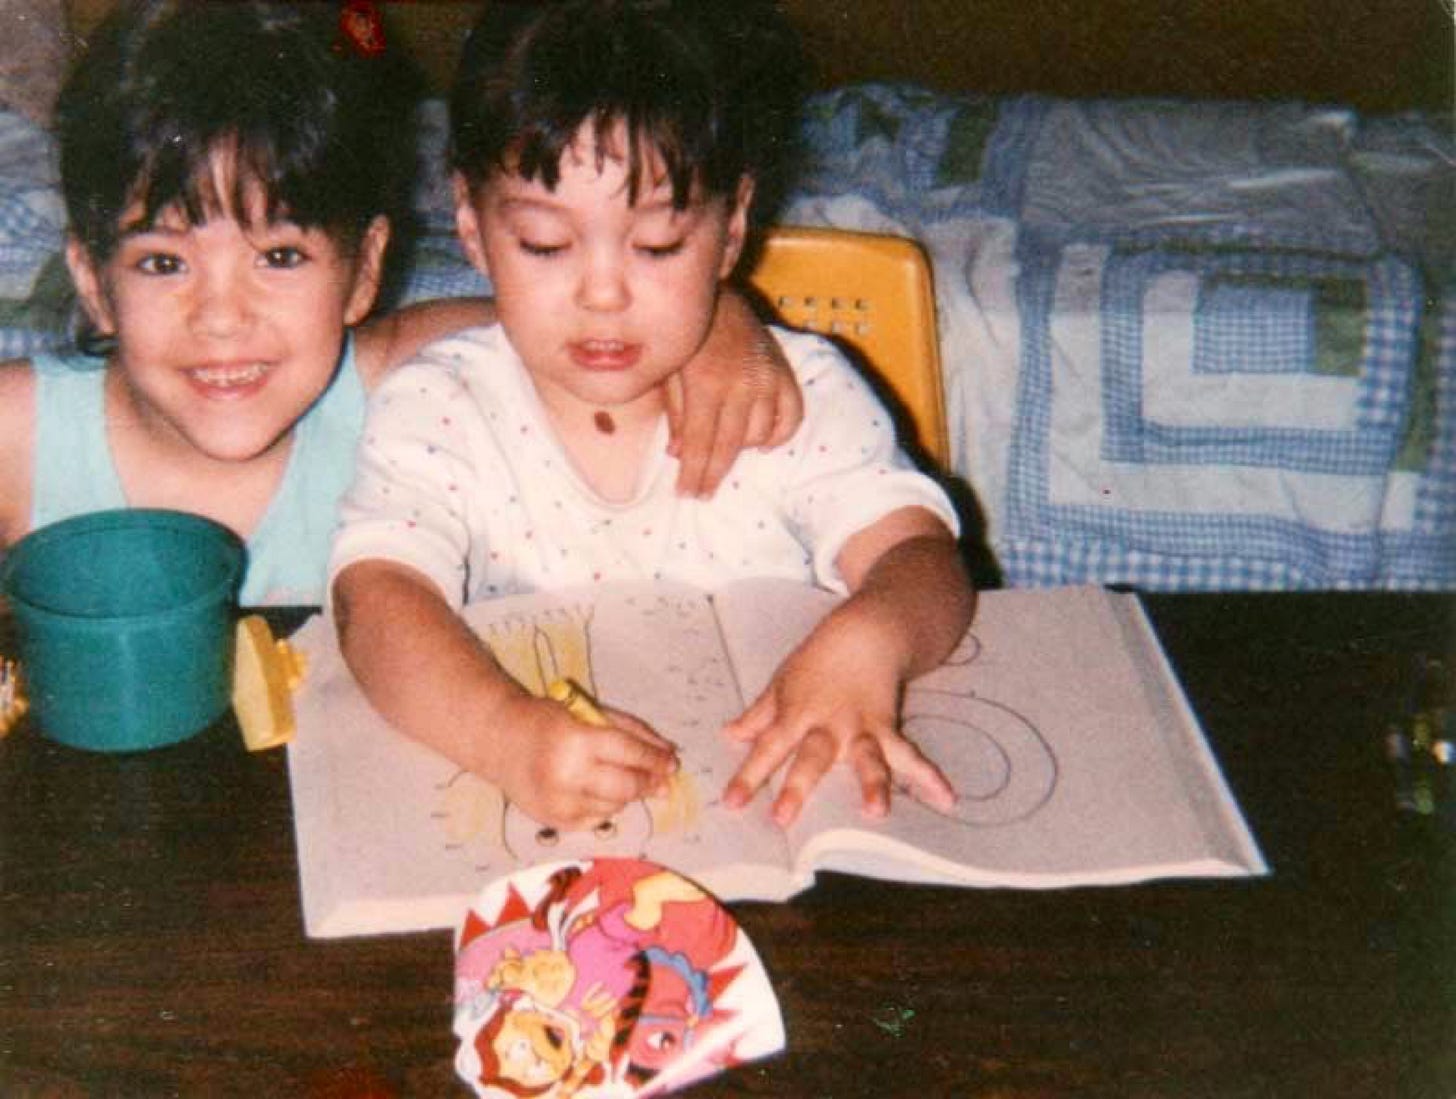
point(476, 816)
point(1010, 774)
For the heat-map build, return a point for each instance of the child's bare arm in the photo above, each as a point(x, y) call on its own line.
point(425, 671)
point(836, 698)
point(737, 392)
point(385, 341)
point(17, 435)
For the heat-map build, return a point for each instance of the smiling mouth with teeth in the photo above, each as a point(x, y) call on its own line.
point(228, 377)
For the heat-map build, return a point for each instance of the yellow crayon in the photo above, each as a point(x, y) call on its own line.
point(578, 703)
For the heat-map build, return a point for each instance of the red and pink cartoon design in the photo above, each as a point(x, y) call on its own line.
point(605, 977)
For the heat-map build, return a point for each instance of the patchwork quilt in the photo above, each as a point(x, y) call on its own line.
point(1187, 345)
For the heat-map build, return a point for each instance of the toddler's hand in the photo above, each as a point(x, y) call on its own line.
point(836, 698)
point(572, 775)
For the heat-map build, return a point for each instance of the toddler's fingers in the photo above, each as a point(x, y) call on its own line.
point(745, 783)
point(772, 743)
point(767, 757)
point(611, 791)
point(815, 755)
point(638, 728)
point(646, 754)
point(925, 780)
point(751, 724)
point(873, 771)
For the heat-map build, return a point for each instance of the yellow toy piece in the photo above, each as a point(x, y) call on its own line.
point(266, 673)
point(13, 703)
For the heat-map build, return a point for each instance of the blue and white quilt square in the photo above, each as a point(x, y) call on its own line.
point(1209, 418)
point(1247, 326)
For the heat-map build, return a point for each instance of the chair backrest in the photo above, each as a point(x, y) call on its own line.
point(874, 293)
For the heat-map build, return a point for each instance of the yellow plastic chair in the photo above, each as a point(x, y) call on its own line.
point(873, 293)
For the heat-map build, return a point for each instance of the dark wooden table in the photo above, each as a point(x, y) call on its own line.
point(151, 942)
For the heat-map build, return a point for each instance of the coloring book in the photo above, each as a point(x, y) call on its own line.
point(1058, 720)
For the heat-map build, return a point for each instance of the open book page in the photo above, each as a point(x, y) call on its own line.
point(654, 650)
point(386, 830)
point(1075, 756)
point(393, 837)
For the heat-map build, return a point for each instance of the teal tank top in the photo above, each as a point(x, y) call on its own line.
point(288, 552)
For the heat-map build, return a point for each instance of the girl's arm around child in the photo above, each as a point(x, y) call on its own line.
point(17, 392)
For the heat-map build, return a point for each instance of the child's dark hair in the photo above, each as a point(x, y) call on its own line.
point(165, 84)
point(711, 86)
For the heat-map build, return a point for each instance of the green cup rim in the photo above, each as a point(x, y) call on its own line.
point(120, 519)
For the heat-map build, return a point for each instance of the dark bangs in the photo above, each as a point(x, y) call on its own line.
point(283, 169)
point(686, 85)
point(653, 141)
point(178, 82)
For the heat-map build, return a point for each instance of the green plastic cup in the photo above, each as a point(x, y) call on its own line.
point(125, 622)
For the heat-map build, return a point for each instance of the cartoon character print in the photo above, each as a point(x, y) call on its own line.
point(606, 979)
point(527, 1024)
